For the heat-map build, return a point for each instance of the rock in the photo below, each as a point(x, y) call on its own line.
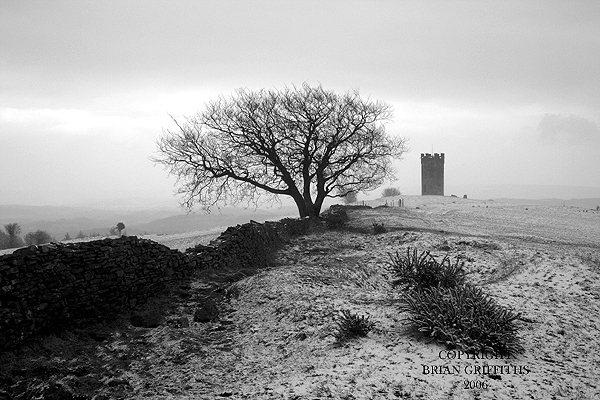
point(25, 251)
point(206, 312)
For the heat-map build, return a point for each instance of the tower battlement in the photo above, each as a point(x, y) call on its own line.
point(432, 174)
point(433, 156)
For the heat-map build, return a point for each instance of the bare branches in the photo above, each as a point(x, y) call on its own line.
point(300, 142)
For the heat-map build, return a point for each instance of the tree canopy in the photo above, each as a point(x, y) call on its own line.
point(304, 142)
point(37, 237)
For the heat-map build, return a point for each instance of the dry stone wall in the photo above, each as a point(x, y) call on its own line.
point(44, 288)
point(248, 245)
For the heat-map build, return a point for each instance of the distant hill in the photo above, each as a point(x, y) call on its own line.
point(57, 221)
point(227, 217)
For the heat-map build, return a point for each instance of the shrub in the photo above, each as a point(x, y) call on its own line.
point(120, 227)
point(420, 271)
point(37, 237)
point(379, 228)
point(335, 216)
point(463, 317)
point(391, 191)
point(351, 197)
point(351, 326)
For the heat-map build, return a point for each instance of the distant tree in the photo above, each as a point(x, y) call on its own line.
point(351, 197)
point(304, 142)
point(80, 235)
point(37, 237)
point(391, 191)
point(120, 227)
point(113, 231)
point(13, 231)
point(30, 239)
point(67, 236)
point(3, 240)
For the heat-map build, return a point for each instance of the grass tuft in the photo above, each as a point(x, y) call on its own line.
point(463, 317)
point(351, 326)
point(419, 271)
point(442, 305)
point(379, 228)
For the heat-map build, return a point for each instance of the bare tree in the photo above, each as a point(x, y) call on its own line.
point(304, 142)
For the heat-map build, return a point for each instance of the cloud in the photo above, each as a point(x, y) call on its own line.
point(570, 128)
point(511, 53)
point(51, 122)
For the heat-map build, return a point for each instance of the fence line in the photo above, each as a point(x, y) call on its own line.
point(382, 202)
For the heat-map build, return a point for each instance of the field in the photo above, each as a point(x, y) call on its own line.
point(274, 335)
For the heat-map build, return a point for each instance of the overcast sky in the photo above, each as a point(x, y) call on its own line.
point(508, 90)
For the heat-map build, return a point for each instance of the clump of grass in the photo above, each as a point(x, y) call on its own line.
point(351, 326)
point(419, 271)
point(509, 266)
point(379, 227)
point(463, 317)
point(441, 304)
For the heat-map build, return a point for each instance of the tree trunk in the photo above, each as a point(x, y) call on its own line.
point(302, 211)
point(307, 208)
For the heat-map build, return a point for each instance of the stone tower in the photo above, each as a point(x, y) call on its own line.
point(432, 174)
